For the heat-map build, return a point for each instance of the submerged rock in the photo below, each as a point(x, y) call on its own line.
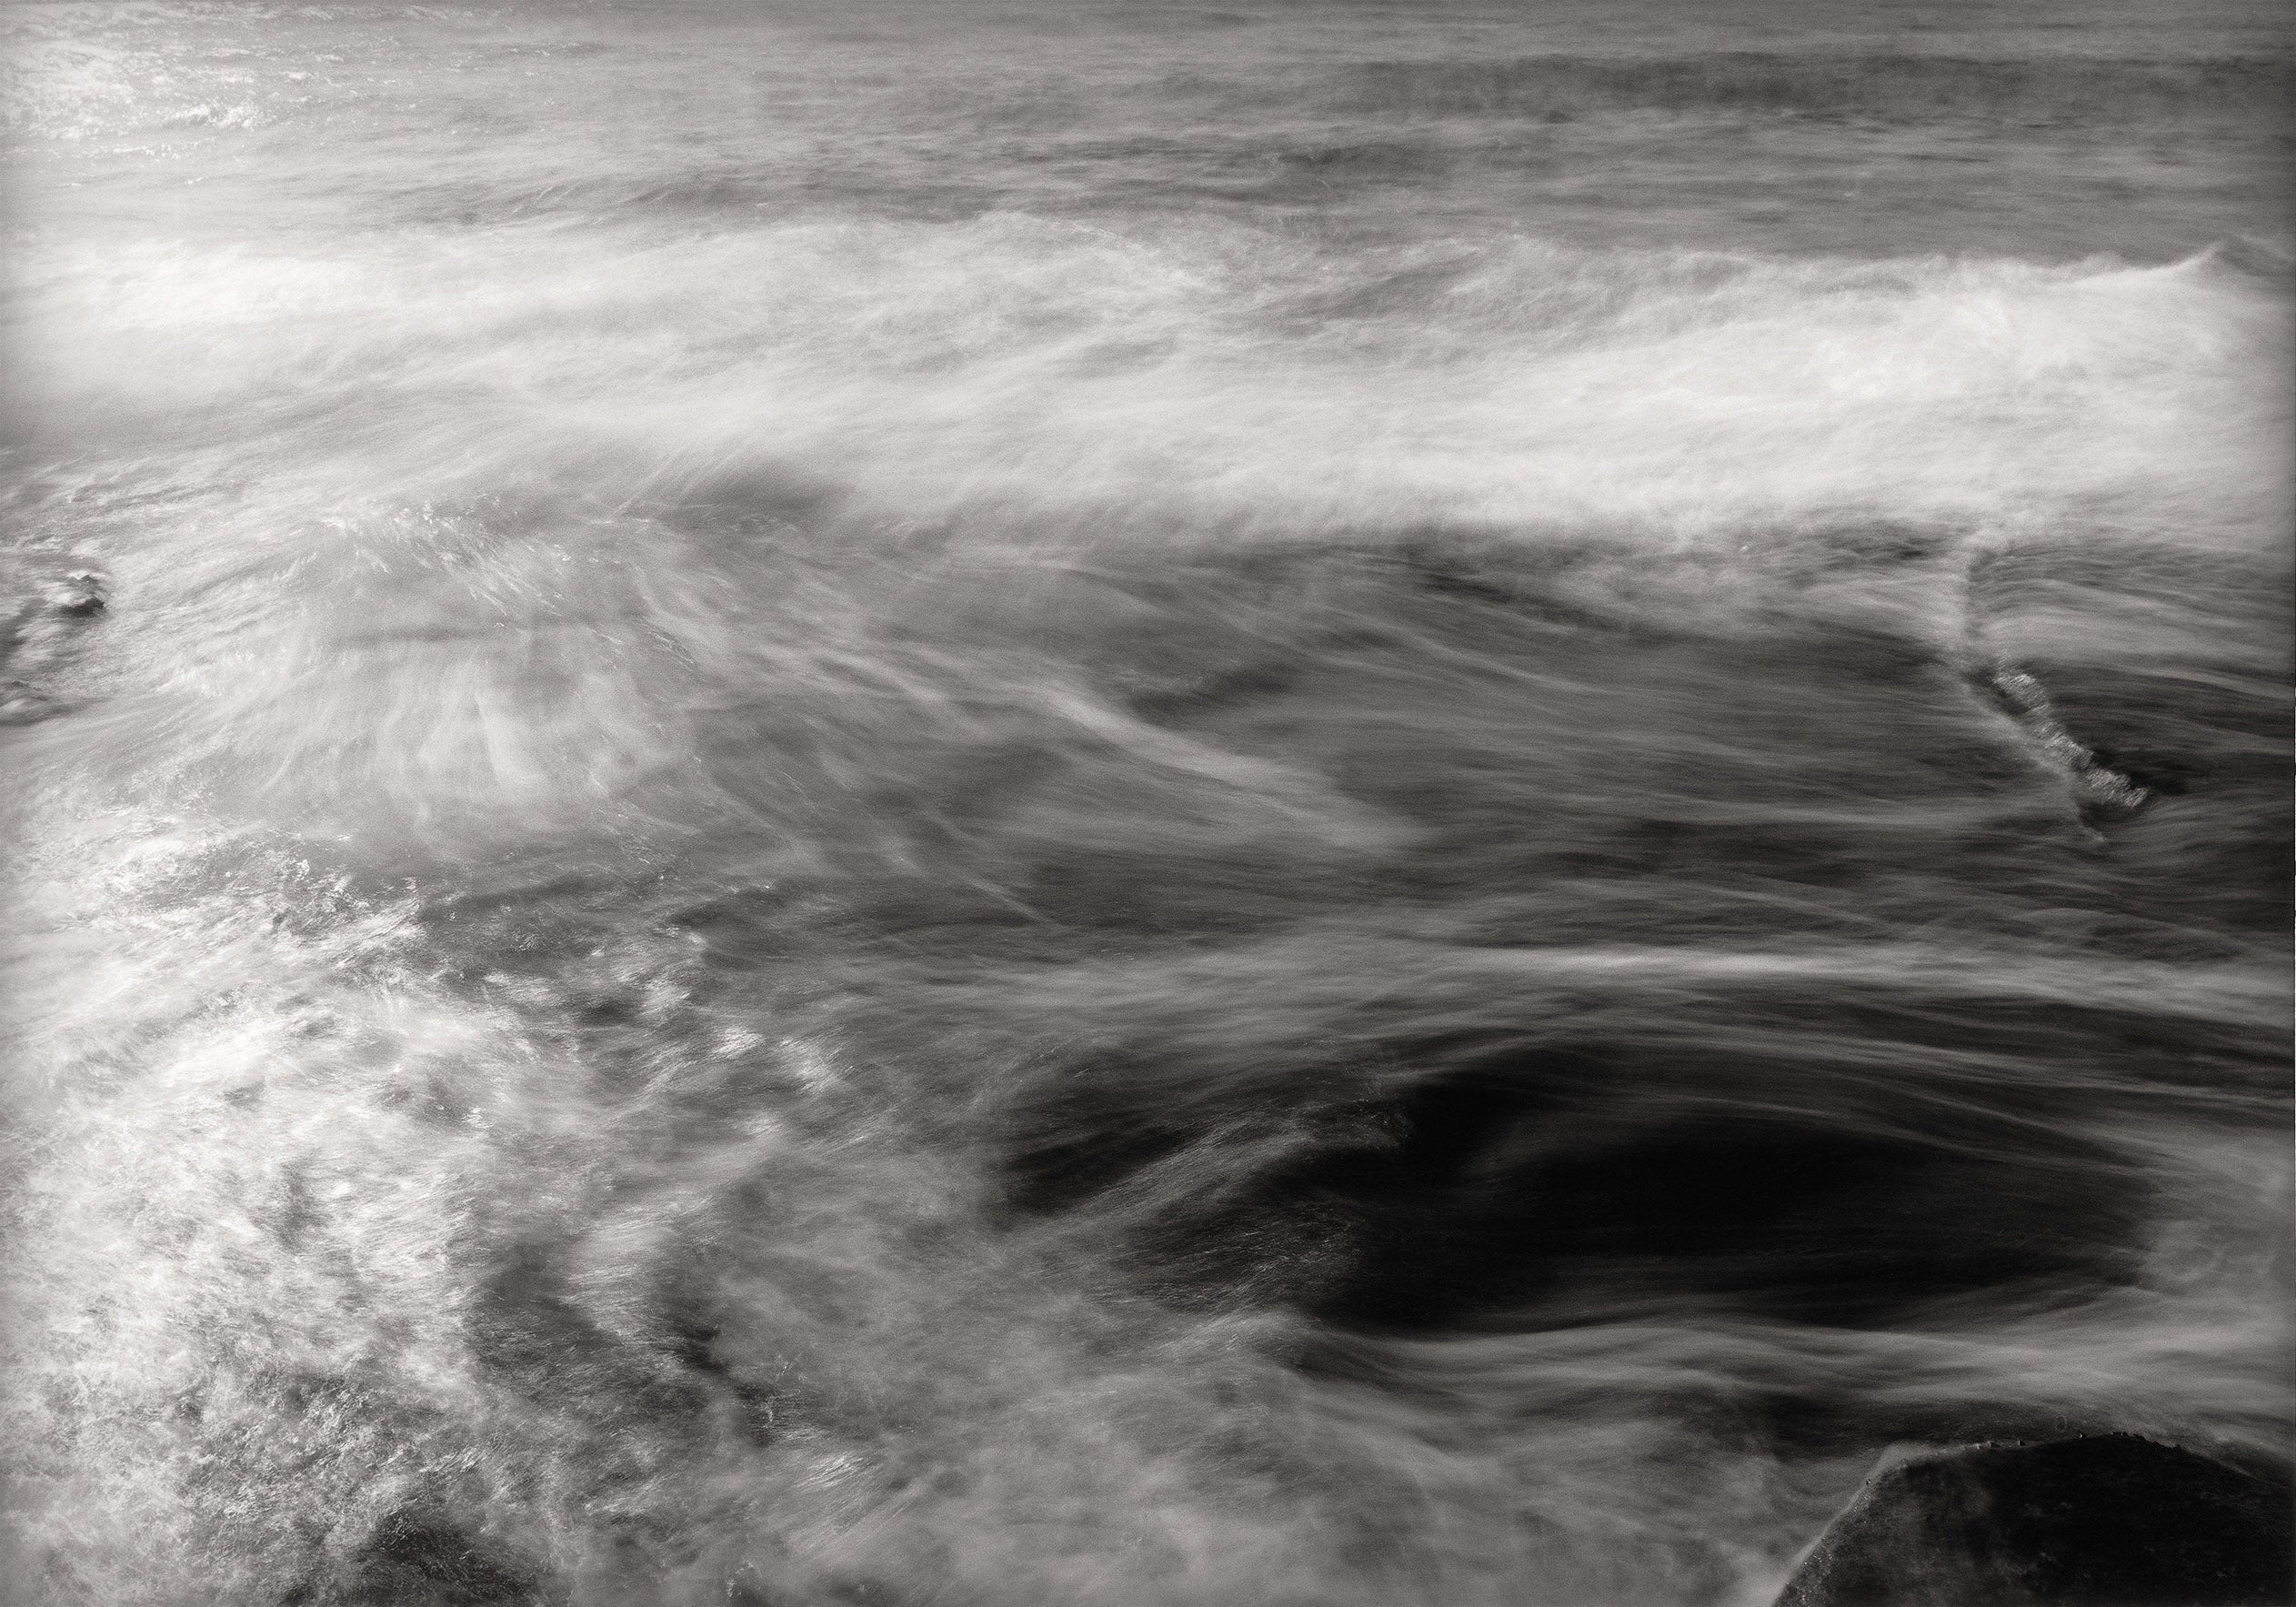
point(2113, 1520)
point(21, 705)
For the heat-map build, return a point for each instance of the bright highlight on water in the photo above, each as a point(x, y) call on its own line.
point(1246, 805)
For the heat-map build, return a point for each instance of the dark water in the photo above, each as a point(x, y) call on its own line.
point(1279, 804)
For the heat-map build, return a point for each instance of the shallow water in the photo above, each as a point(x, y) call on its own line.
point(1278, 803)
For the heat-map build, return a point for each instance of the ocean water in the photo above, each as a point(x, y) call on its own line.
point(1279, 803)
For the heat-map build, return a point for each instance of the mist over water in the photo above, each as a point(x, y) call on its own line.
point(1265, 803)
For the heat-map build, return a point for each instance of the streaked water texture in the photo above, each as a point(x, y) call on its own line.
point(1288, 804)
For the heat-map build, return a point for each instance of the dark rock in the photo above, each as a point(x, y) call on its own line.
point(410, 1562)
point(2113, 1520)
point(79, 594)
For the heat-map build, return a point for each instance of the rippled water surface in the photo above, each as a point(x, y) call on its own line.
point(1271, 803)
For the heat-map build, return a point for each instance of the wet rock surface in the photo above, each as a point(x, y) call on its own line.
point(45, 608)
point(2113, 1520)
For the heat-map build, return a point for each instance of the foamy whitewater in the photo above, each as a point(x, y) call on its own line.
point(1276, 804)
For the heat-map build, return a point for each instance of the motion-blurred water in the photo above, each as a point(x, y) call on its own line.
point(1287, 803)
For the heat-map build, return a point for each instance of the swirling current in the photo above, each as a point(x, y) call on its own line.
point(1282, 802)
